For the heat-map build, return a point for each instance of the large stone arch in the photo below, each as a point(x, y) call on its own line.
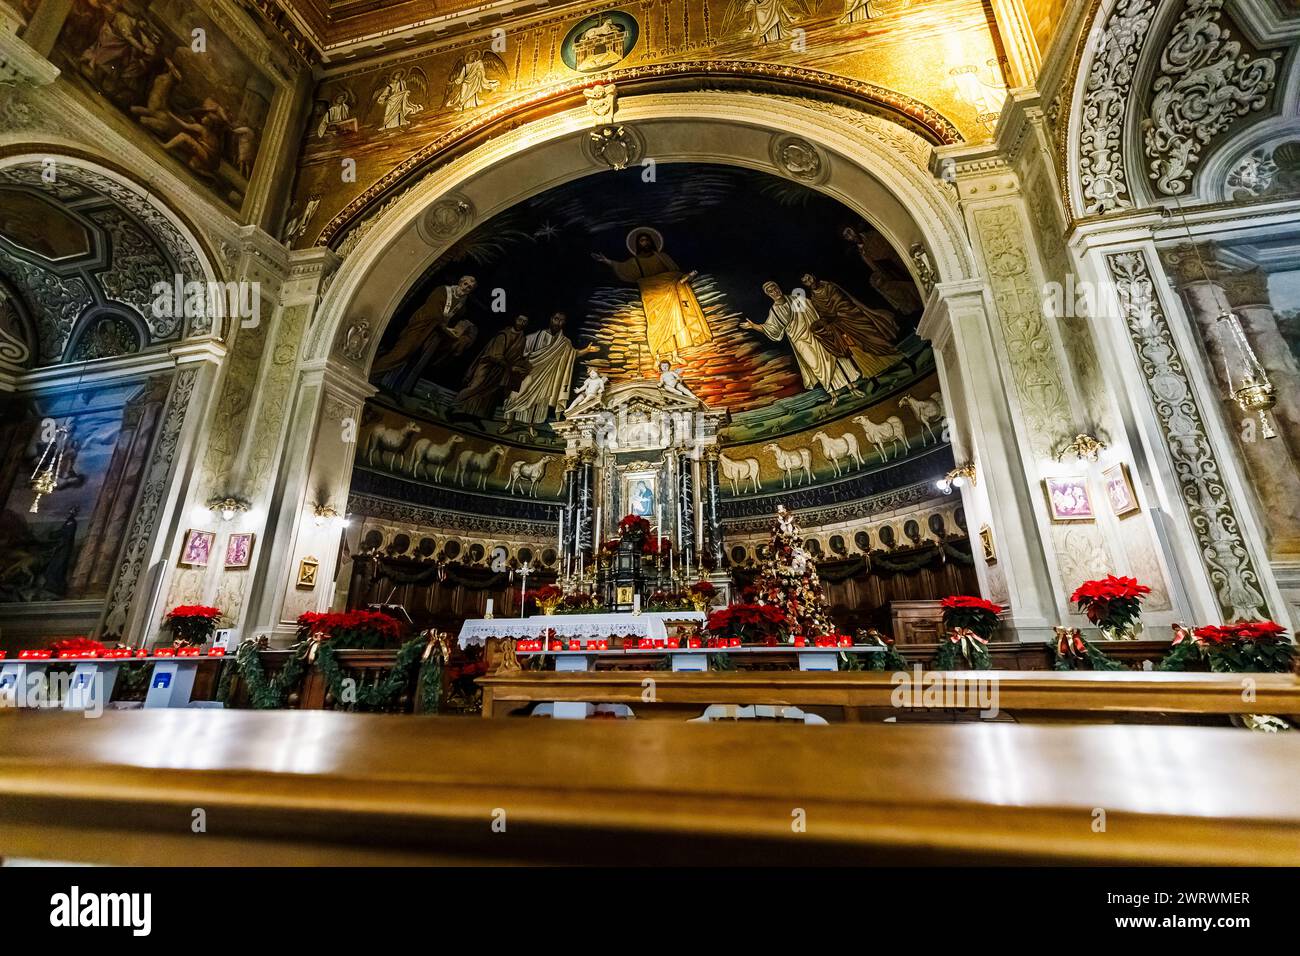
point(174, 374)
point(874, 167)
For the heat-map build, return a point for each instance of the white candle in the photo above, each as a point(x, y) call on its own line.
point(636, 604)
point(596, 541)
point(487, 612)
point(561, 539)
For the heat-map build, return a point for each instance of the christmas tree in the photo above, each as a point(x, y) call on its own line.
point(788, 579)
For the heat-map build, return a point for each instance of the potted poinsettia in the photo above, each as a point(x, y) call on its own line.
point(546, 598)
point(635, 528)
point(193, 623)
point(1113, 604)
point(968, 623)
point(1249, 646)
point(702, 594)
point(351, 629)
point(748, 624)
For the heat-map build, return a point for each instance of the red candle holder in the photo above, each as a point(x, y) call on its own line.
point(735, 642)
point(575, 645)
point(799, 640)
point(217, 652)
point(164, 652)
point(35, 655)
point(846, 641)
point(3, 655)
point(692, 642)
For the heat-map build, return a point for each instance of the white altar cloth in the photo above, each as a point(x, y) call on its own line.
point(646, 624)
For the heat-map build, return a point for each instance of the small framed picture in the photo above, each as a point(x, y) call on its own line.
point(239, 550)
point(1119, 491)
point(986, 545)
point(307, 569)
point(1068, 499)
point(196, 552)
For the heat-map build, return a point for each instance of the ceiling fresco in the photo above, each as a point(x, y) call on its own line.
point(773, 301)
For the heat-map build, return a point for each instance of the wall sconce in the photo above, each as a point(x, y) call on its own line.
point(327, 515)
point(1085, 447)
point(227, 507)
point(956, 478)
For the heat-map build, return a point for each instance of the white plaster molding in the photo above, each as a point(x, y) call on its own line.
point(20, 65)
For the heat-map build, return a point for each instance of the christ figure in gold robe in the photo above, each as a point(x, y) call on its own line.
point(673, 317)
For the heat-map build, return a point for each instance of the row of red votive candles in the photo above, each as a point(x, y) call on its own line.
point(117, 653)
point(825, 640)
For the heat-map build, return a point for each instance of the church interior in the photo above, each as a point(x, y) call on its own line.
point(870, 420)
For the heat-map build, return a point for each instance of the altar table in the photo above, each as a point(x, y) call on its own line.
point(647, 624)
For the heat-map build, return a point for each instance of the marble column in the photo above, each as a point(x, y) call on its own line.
point(712, 511)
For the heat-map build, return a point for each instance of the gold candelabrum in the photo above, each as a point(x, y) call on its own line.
point(45, 478)
point(957, 478)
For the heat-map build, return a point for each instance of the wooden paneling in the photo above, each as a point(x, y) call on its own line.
point(297, 788)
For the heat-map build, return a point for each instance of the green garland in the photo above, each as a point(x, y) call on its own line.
point(380, 696)
point(1098, 660)
point(263, 693)
point(950, 654)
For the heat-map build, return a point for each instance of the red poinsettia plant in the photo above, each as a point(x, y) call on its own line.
point(752, 623)
point(193, 623)
point(1246, 646)
point(634, 526)
point(971, 614)
point(1111, 603)
point(546, 598)
point(667, 601)
point(582, 602)
point(77, 647)
point(351, 629)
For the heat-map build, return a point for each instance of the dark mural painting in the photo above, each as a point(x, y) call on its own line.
point(775, 301)
point(67, 549)
point(195, 93)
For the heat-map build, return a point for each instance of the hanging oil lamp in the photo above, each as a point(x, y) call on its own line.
point(1248, 382)
point(46, 476)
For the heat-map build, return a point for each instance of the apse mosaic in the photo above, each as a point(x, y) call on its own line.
point(770, 301)
point(196, 94)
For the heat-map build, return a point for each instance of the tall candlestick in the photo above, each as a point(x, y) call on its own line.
point(561, 541)
point(597, 537)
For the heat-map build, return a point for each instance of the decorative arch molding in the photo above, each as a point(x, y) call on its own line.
point(1171, 56)
point(722, 75)
point(159, 213)
point(877, 169)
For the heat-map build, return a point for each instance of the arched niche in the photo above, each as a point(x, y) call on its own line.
point(875, 168)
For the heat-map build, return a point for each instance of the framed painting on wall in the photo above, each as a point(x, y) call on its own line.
point(239, 550)
point(307, 569)
point(1068, 498)
point(1119, 491)
point(196, 552)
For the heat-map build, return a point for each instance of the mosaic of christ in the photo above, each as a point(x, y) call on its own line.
point(770, 299)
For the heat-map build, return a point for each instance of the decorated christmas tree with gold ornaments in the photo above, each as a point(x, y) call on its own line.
point(788, 579)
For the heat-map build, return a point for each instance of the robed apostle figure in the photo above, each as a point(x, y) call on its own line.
point(435, 327)
point(500, 367)
point(550, 356)
point(673, 317)
point(850, 329)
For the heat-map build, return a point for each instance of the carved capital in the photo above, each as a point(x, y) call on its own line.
point(20, 65)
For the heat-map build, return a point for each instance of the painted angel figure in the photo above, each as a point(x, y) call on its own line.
point(767, 21)
point(473, 78)
point(337, 115)
point(395, 96)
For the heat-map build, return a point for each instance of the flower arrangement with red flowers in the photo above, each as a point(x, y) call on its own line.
point(752, 623)
point(582, 602)
point(77, 647)
point(969, 623)
point(1113, 604)
point(887, 660)
point(668, 601)
point(546, 598)
point(1072, 649)
point(1249, 646)
point(351, 629)
point(634, 527)
point(702, 594)
point(193, 623)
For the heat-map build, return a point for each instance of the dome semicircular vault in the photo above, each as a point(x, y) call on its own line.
point(772, 300)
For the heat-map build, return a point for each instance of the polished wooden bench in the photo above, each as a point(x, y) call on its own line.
point(299, 787)
point(1079, 696)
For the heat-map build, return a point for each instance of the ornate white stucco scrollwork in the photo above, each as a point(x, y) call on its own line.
point(1200, 479)
point(1205, 84)
point(1105, 104)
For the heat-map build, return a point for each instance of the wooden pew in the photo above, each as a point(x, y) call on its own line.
point(330, 788)
point(1039, 696)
